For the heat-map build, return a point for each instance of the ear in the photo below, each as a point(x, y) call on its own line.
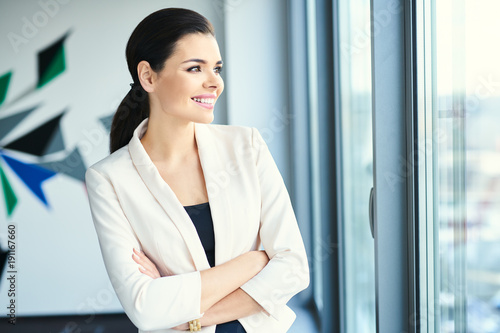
point(146, 75)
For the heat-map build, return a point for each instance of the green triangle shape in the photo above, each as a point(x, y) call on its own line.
point(4, 86)
point(10, 196)
point(57, 66)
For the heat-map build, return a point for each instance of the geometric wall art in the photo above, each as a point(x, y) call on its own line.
point(44, 139)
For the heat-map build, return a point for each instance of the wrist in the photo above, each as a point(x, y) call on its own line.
point(207, 319)
point(194, 325)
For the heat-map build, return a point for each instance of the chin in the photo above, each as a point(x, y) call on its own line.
point(206, 119)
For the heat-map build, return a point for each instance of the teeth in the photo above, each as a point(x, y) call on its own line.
point(204, 100)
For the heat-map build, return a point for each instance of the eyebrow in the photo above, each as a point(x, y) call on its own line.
point(201, 61)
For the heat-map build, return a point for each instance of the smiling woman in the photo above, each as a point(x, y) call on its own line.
point(181, 247)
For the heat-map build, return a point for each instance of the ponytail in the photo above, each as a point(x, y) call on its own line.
point(133, 109)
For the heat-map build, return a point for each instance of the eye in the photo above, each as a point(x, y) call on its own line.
point(195, 69)
point(218, 69)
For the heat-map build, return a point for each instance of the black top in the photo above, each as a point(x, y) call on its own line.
point(202, 219)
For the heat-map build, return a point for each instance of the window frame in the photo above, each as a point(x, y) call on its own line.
point(395, 230)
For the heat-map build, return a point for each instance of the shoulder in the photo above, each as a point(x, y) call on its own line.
point(112, 162)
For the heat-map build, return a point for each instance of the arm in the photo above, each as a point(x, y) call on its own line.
point(237, 304)
point(220, 281)
point(150, 304)
point(164, 302)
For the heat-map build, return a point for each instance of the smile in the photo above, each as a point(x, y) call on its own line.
point(205, 102)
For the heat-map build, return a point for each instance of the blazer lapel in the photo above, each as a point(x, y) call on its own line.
point(217, 179)
point(166, 197)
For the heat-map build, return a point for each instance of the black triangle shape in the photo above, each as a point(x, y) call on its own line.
point(38, 140)
point(46, 56)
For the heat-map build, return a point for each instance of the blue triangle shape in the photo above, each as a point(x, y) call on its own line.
point(32, 175)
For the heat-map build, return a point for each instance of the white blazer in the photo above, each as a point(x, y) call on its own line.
point(132, 206)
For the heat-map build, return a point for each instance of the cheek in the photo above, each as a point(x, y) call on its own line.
point(187, 87)
point(168, 91)
point(178, 92)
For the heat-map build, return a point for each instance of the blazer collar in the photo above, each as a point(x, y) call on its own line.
point(217, 178)
point(219, 203)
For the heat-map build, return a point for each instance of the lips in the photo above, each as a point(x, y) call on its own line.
point(207, 100)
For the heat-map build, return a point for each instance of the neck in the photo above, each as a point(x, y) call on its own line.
point(169, 139)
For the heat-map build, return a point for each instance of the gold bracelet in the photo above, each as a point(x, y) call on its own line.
point(194, 325)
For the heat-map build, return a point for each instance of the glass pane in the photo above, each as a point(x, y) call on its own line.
point(464, 218)
point(357, 176)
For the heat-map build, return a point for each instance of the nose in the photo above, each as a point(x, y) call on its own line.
point(213, 81)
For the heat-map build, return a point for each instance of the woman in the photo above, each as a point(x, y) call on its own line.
point(182, 207)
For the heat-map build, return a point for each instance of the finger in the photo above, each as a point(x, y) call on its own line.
point(137, 259)
point(146, 272)
point(147, 265)
point(143, 257)
point(144, 261)
point(139, 253)
point(151, 273)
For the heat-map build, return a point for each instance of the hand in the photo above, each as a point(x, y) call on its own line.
point(146, 266)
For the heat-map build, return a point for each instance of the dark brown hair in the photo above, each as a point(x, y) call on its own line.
point(154, 41)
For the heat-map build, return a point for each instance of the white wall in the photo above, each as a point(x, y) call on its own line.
point(257, 77)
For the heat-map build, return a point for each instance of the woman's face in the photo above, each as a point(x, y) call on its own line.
point(190, 83)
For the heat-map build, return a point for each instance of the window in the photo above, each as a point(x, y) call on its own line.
point(355, 128)
point(427, 81)
point(459, 177)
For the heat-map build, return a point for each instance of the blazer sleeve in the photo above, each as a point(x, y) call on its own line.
point(150, 304)
point(287, 272)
